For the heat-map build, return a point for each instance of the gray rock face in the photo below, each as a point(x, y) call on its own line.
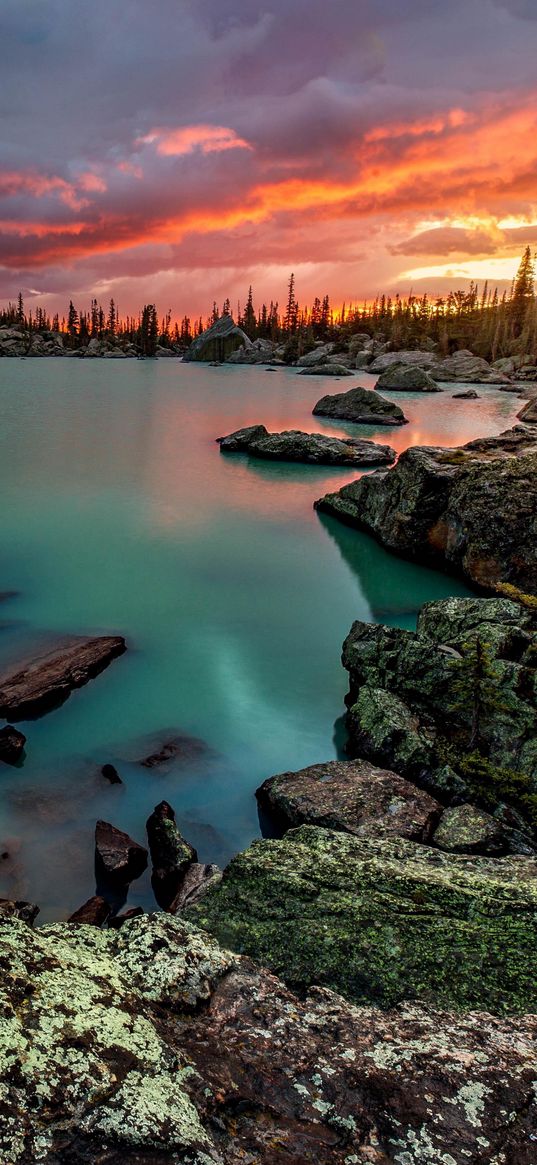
point(318, 356)
point(310, 448)
point(218, 342)
point(361, 405)
point(472, 509)
point(417, 358)
point(464, 365)
point(528, 414)
point(258, 352)
point(48, 679)
point(326, 370)
point(353, 796)
point(407, 378)
point(150, 1043)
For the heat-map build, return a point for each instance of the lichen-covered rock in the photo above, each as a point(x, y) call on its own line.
point(171, 854)
point(466, 829)
point(354, 796)
point(150, 1044)
point(195, 883)
point(310, 448)
point(382, 920)
point(472, 509)
point(407, 378)
point(364, 406)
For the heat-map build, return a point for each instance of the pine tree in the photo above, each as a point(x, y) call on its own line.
point(249, 321)
point(72, 319)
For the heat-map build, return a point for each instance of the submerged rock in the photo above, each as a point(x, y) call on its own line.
point(179, 749)
point(382, 920)
point(11, 745)
point(407, 378)
point(311, 448)
point(94, 912)
point(118, 858)
point(171, 855)
point(110, 773)
point(362, 405)
point(48, 679)
point(353, 796)
point(472, 509)
point(152, 1044)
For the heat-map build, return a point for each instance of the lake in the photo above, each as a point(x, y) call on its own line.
point(120, 515)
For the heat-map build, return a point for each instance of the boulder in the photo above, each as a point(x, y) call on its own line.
point(382, 919)
point(528, 413)
point(171, 855)
point(26, 911)
point(196, 881)
point(257, 352)
point(118, 859)
point(470, 394)
point(110, 773)
point(465, 366)
point(308, 448)
point(318, 356)
point(407, 378)
point(49, 678)
point(217, 342)
point(354, 796)
point(150, 1043)
point(413, 358)
point(472, 510)
point(466, 829)
point(326, 370)
point(11, 745)
point(94, 912)
point(361, 405)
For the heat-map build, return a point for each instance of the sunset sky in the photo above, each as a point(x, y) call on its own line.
point(178, 150)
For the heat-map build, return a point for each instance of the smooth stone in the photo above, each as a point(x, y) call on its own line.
point(361, 405)
point(327, 370)
point(11, 745)
point(110, 773)
point(171, 854)
point(308, 448)
point(406, 378)
point(118, 857)
point(470, 394)
point(94, 912)
point(48, 679)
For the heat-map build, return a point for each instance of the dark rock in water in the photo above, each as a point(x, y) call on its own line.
point(171, 855)
point(362, 405)
point(382, 919)
point(407, 378)
point(216, 343)
point(197, 880)
point(94, 912)
point(118, 858)
point(327, 370)
point(6, 595)
point(118, 920)
point(465, 829)
point(470, 394)
point(26, 911)
point(48, 679)
point(111, 774)
point(183, 749)
point(473, 509)
point(11, 745)
point(308, 448)
point(528, 414)
point(212, 1061)
point(353, 796)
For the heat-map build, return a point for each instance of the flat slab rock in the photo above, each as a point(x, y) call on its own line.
point(353, 796)
point(151, 1043)
point(362, 405)
point(49, 678)
point(311, 448)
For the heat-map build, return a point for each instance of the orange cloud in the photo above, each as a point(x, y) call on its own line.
point(208, 139)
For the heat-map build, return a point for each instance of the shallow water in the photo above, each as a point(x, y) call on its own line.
point(119, 514)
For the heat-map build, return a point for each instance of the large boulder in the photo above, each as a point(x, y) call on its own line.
point(118, 859)
point(473, 509)
point(528, 413)
point(150, 1043)
point(171, 854)
point(218, 342)
point(49, 678)
point(258, 352)
point(465, 366)
point(406, 378)
point(317, 356)
point(412, 358)
point(382, 919)
point(361, 405)
point(354, 796)
point(309, 448)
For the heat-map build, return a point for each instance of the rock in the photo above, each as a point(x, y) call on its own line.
point(407, 378)
point(465, 829)
point(353, 796)
point(470, 394)
point(413, 358)
point(118, 919)
point(180, 749)
point(119, 859)
point(318, 356)
point(464, 365)
point(326, 370)
point(382, 920)
point(197, 880)
point(217, 342)
point(48, 679)
point(171, 855)
point(309, 448)
point(94, 912)
point(110, 773)
point(152, 1044)
point(11, 745)
point(528, 414)
point(26, 911)
point(472, 510)
point(361, 405)
point(258, 352)
point(362, 360)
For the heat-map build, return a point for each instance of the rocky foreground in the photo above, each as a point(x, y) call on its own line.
point(307, 448)
point(152, 1044)
point(472, 509)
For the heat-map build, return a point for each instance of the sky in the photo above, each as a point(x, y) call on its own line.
point(177, 151)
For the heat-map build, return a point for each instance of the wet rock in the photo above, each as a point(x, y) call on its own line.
point(11, 745)
point(465, 366)
point(48, 679)
point(197, 880)
point(118, 858)
point(353, 796)
point(118, 920)
point(171, 855)
point(25, 911)
point(309, 448)
point(110, 773)
point(406, 378)
point(382, 920)
point(362, 405)
point(326, 370)
point(218, 342)
point(94, 912)
point(180, 748)
point(465, 829)
point(473, 509)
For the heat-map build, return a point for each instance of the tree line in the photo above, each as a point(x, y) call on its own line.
point(490, 324)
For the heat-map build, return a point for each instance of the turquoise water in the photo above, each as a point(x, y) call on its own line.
point(119, 514)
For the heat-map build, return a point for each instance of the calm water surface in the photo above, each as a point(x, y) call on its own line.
point(119, 514)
